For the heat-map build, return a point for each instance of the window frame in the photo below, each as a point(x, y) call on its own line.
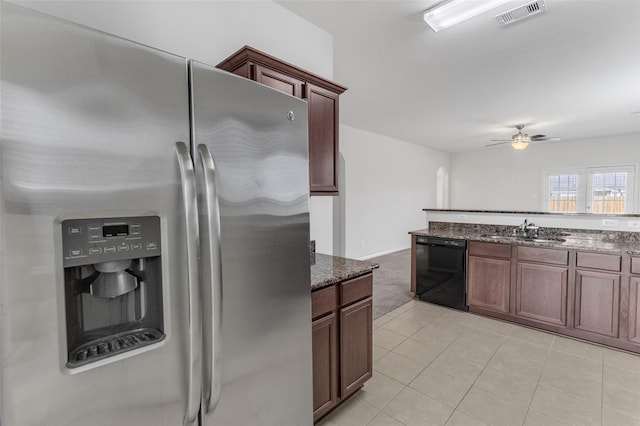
point(584, 199)
point(580, 201)
point(629, 203)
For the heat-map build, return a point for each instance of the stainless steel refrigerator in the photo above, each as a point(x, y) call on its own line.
point(155, 229)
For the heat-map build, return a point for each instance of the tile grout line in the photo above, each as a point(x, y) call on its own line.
point(474, 382)
point(538, 381)
point(602, 394)
point(461, 399)
point(421, 371)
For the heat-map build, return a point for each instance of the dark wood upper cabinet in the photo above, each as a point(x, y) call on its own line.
point(279, 81)
point(322, 98)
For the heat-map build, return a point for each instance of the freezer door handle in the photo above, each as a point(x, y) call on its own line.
point(194, 367)
point(212, 277)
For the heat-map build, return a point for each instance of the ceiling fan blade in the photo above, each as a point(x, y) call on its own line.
point(499, 143)
point(544, 138)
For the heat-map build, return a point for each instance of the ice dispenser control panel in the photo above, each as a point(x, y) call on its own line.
point(89, 241)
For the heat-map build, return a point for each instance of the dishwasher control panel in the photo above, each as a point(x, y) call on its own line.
point(453, 242)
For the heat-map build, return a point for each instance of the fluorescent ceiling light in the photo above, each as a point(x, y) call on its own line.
point(447, 14)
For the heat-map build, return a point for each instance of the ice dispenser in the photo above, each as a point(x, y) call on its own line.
point(113, 286)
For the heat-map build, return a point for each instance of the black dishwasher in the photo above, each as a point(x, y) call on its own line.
point(441, 271)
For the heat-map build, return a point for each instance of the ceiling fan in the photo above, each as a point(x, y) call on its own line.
point(521, 140)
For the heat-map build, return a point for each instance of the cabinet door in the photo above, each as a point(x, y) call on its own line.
point(356, 346)
point(488, 283)
point(279, 81)
point(597, 302)
point(323, 140)
point(541, 293)
point(325, 359)
point(634, 310)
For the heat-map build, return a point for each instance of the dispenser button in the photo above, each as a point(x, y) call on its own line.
point(75, 230)
point(94, 235)
point(95, 250)
point(110, 249)
point(123, 247)
point(75, 252)
point(135, 230)
point(136, 246)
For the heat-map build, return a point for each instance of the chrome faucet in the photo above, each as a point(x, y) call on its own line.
point(529, 229)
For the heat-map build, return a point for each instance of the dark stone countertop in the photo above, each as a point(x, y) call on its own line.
point(327, 270)
point(594, 241)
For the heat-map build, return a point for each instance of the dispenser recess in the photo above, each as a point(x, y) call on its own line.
point(113, 287)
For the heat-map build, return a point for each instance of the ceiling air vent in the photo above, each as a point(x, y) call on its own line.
point(521, 12)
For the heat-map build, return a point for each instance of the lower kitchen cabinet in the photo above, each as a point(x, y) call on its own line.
point(541, 293)
point(633, 327)
point(488, 276)
point(597, 293)
point(597, 302)
point(342, 341)
point(542, 281)
point(587, 295)
point(356, 327)
point(325, 364)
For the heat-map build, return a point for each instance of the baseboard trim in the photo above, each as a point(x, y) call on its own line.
point(382, 253)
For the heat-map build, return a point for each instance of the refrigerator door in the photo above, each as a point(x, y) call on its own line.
point(89, 130)
point(258, 142)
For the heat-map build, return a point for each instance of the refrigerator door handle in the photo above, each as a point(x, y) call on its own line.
point(213, 304)
point(194, 367)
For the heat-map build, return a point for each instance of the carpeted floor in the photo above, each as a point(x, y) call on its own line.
point(391, 282)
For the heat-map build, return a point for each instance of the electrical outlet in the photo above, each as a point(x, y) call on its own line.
point(633, 224)
point(613, 223)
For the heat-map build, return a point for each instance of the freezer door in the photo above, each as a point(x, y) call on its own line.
point(258, 142)
point(89, 130)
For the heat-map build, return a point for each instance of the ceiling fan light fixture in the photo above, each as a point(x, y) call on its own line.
point(447, 14)
point(519, 144)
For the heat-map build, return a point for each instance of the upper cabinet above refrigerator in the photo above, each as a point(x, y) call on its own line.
point(322, 97)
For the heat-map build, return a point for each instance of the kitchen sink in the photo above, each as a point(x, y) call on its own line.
point(546, 240)
point(520, 238)
point(500, 237)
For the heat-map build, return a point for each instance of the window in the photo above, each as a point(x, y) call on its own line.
point(603, 190)
point(610, 189)
point(563, 193)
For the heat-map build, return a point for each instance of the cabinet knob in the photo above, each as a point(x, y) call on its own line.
point(291, 116)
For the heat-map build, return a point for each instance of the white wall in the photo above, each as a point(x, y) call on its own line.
point(210, 31)
point(387, 183)
point(322, 223)
point(502, 178)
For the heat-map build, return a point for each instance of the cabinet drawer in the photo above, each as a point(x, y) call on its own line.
point(323, 301)
point(542, 255)
point(477, 248)
point(356, 289)
point(608, 262)
point(635, 265)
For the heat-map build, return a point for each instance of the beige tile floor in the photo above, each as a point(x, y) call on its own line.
point(437, 366)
